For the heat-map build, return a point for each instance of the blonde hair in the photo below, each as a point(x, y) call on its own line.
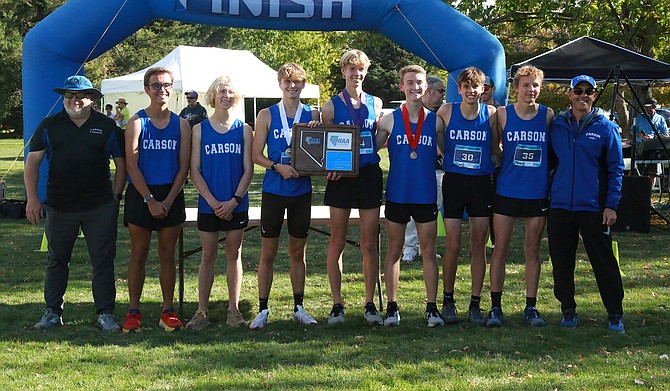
point(472, 75)
point(411, 69)
point(354, 57)
point(210, 96)
point(291, 70)
point(528, 70)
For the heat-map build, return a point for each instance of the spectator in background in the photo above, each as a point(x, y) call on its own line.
point(489, 89)
point(643, 127)
point(109, 110)
point(80, 195)
point(122, 113)
point(193, 112)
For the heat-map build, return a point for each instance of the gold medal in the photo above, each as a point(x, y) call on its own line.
point(413, 155)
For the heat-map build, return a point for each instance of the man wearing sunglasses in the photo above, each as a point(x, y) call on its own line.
point(193, 112)
point(78, 143)
point(585, 194)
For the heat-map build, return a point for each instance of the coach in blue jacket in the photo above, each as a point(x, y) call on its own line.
point(585, 194)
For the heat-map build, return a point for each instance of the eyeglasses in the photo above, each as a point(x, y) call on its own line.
point(487, 88)
point(589, 91)
point(441, 90)
point(158, 86)
point(78, 95)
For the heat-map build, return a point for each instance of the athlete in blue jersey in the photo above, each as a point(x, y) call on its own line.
point(353, 106)
point(522, 189)
point(467, 186)
point(221, 170)
point(155, 202)
point(283, 191)
point(411, 189)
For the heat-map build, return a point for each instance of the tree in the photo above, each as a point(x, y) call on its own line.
point(16, 19)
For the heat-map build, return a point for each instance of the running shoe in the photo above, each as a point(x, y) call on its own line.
point(235, 319)
point(392, 318)
point(336, 314)
point(495, 317)
point(260, 321)
point(106, 322)
point(132, 322)
point(199, 321)
point(570, 318)
point(433, 317)
point(616, 323)
point(49, 319)
point(476, 317)
point(372, 316)
point(301, 316)
point(449, 313)
point(169, 321)
point(532, 317)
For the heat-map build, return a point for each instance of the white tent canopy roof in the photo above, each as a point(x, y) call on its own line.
point(195, 68)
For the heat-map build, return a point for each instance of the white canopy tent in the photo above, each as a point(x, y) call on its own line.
point(195, 68)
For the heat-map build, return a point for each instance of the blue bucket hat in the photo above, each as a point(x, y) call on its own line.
point(78, 83)
point(578, 79)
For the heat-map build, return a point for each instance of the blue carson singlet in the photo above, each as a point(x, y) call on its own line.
point(412, 181)
point(341, 116)
point(525, 171)
point(273, 182)
point(467, 147)
point(158, 150)
point(222, 163)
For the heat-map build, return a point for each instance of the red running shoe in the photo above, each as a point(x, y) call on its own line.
point(132, 322)
point(169, 321)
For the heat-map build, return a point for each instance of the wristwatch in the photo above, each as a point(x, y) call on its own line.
point(273, 167)
point(148, 198)
point(237, 198)
point(118, 196)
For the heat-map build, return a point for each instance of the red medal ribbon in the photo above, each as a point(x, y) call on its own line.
point(413, 140)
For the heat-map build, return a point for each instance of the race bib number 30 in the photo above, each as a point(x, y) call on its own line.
point(467, 156)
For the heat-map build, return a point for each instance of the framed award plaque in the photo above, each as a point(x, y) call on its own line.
point(325, 148)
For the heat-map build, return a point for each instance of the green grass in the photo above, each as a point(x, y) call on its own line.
point(289, 356)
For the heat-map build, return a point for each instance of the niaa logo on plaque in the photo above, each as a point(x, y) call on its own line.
point(338, 140)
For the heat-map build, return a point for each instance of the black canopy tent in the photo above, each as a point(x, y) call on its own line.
point(587, 55)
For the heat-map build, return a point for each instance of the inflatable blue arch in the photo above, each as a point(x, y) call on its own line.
point(57, 46)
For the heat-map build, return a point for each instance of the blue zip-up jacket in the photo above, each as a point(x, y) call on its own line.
point(589, 163)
